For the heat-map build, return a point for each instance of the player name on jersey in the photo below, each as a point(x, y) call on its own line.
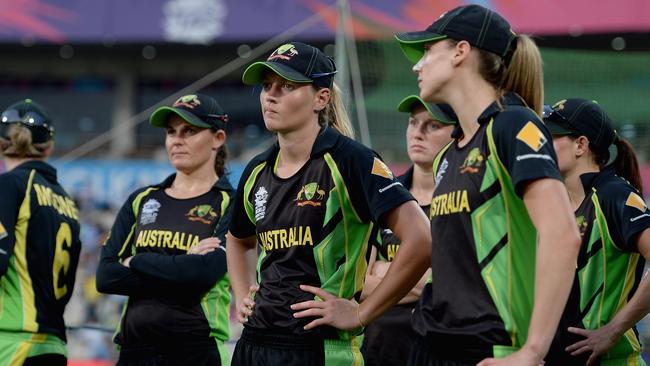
point(63, 205)
point(450, 203)
point(286, 238)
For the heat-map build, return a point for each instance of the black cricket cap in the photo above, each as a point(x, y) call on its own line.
point(297, 62)
point(31, 115)
point(441, 112)
point(481, 27)
point(199, 110)
point(581, 117)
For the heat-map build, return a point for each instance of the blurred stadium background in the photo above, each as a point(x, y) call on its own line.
point(102, 66)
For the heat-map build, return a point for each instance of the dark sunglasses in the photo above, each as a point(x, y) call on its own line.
point(221, 117)
point(29, 119)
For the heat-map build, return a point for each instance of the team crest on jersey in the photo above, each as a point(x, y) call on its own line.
point(532, 136)
point(261, 196)
point(473, 162)
point(634, 200)
point(582, 225)
point(3, 231)
point(442, 169)
point(202, 213)
point(149, 212)
point(284, 52)
point(310, 194)
point(380, 169)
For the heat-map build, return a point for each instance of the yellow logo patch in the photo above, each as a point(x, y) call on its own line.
point(532, 136)
point(634, 200)
point(380, 169)
point(3, 231)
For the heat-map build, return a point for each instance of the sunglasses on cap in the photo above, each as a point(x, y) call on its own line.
point(29, 119)
point(555, 116)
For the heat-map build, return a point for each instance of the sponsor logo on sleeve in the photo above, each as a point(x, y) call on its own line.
point(634, 200)
point(3, 231)
point(532, 136)
point(380, 169)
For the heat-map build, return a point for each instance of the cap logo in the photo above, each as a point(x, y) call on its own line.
point(188, 101)
point(284, 52)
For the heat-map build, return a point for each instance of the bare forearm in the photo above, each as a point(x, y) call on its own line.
point(237, 256)
point(412, 260)
point(416, 291)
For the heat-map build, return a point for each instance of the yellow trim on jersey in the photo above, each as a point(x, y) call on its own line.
point(20, 254)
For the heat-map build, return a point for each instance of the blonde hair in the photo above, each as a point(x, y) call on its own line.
point(335, 115)
point(20, 145)
point(523, 76)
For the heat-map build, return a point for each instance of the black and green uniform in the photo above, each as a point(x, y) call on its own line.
point(480, 301)
point(388, 339)
point(179, 303)
point(313, 228)
point(610, 218)
point(39, 253)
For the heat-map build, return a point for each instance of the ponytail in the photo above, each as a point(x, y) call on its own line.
point(523, 76)
point(18, 143)
point(220, 161)
point(625, 165)
point(334, 114)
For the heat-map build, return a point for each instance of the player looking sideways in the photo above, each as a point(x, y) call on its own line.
point(310, 201)
point(166, 249)
point(614, 222)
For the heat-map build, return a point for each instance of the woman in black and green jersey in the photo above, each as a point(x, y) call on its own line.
point(311, 202)
point(388, 339)
point(39, 242)
point(614, 222)
point(504, 237)
point(166, 250)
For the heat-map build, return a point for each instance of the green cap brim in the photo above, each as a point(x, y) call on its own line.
point(556, 129)
point(255, 73)
point(412, 43)
point(160, 117)
point(407, 104)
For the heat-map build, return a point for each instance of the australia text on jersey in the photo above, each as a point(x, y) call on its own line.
point(286, 238)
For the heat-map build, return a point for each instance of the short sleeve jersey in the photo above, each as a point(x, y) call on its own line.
point(610, 267)
point(387, 242)
point(314, 227)
point(484, 243)
point(39, 250)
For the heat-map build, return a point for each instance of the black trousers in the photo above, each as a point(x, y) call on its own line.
point(387, 340)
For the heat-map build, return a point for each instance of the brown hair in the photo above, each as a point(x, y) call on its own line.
point(335, 115)
point(220, 161)
point(19, 143)
point(523, 76)
point(625, 165)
